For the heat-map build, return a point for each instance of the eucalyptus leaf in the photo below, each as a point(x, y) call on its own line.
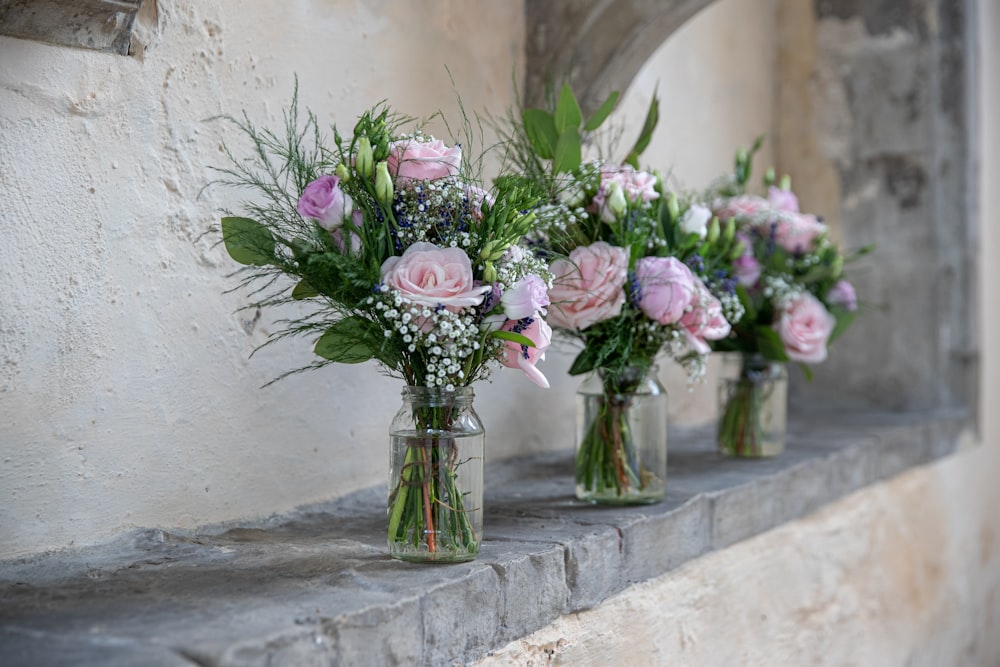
point(568, 114)
point(247, 241)
point(769, 343)
point(602, 112)
point(584, 362)
point(541, 130)
point(303, 290)
point(568, 152)
point(346, 342)
point(646, 134)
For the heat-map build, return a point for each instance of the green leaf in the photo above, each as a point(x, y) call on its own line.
point(568, 114)
point(652, 118)
point(541, 130)
point(844, 319)
point(568, 152)
point(346, 341)
point(303, 290)
point(520, 339)
point(769, 344)
point(247, 241)
point(750, 312)
point(602, 112)
point(584, 362)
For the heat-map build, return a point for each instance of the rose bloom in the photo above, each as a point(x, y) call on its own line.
point(746, 268)
point(743, 206)
point(695, 220)
point(588, 287)
point(522, 356)
point(431, 276)
point(797, 232)
point(666, 288)
point(324, 201)
point(705, 320)
point(843, 294)
point(415, 160)
point(527, 297)
point(805, 327)
point(783, 200)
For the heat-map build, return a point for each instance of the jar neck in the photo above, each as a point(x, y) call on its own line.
point(627, 379)
point(438, 396)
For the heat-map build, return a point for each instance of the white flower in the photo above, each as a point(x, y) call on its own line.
point(695, 220)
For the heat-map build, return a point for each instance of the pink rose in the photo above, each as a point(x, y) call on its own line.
point(324, 201)
point(522, 356)
point(588, 287)
point(666, 288)
point(805, 326)
point(527, 297)
point(843, 294)
point(415, 160)
point(431, 276)
point(705, 320)
point(783, 200)
point(743, 206)
point(797, 232)
point(746, 268)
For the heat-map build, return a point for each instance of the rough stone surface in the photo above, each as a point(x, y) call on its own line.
point(102, 25)
point(316, 587)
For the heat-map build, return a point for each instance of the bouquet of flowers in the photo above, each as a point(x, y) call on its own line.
point(789, 278)
point(636, 271)
point(405, 260)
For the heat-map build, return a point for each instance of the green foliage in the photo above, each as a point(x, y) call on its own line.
point(247, 241)
point(346, 341)
point(646, 134)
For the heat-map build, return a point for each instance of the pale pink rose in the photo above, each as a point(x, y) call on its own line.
point(522, 356)
point(704, 321)
point(797, 232)
point(805, 327)
point(843, 294)
point(324, 201)
point(746, 268)
point(637, 187)
point(783, 200)
point(431, 276)
point(527, 297)
point(743, 206)
point(666, 288)
point(415, 160)
point(589, 286)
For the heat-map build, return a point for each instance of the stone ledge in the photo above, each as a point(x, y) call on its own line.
point(317, 588)
point(102, 25)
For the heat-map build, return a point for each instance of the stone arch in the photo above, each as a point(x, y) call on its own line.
point(596, 46)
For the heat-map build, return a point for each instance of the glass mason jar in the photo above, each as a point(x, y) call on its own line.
point(621, 454)
point(435, 511)
point(753, 406)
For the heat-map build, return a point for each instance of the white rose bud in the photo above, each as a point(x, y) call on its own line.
point(695, 220)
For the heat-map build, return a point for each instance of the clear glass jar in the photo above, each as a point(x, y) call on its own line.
point(753, 406)
point(435, 510)
point(621, 453)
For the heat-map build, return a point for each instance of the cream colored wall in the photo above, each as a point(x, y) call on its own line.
point(904, 572)
point(126, 394)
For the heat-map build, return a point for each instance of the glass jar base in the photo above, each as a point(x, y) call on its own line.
point(412, 554)
point(764, 451)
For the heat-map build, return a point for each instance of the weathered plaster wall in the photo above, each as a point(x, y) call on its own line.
point(126, 393)
point(906, 572)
